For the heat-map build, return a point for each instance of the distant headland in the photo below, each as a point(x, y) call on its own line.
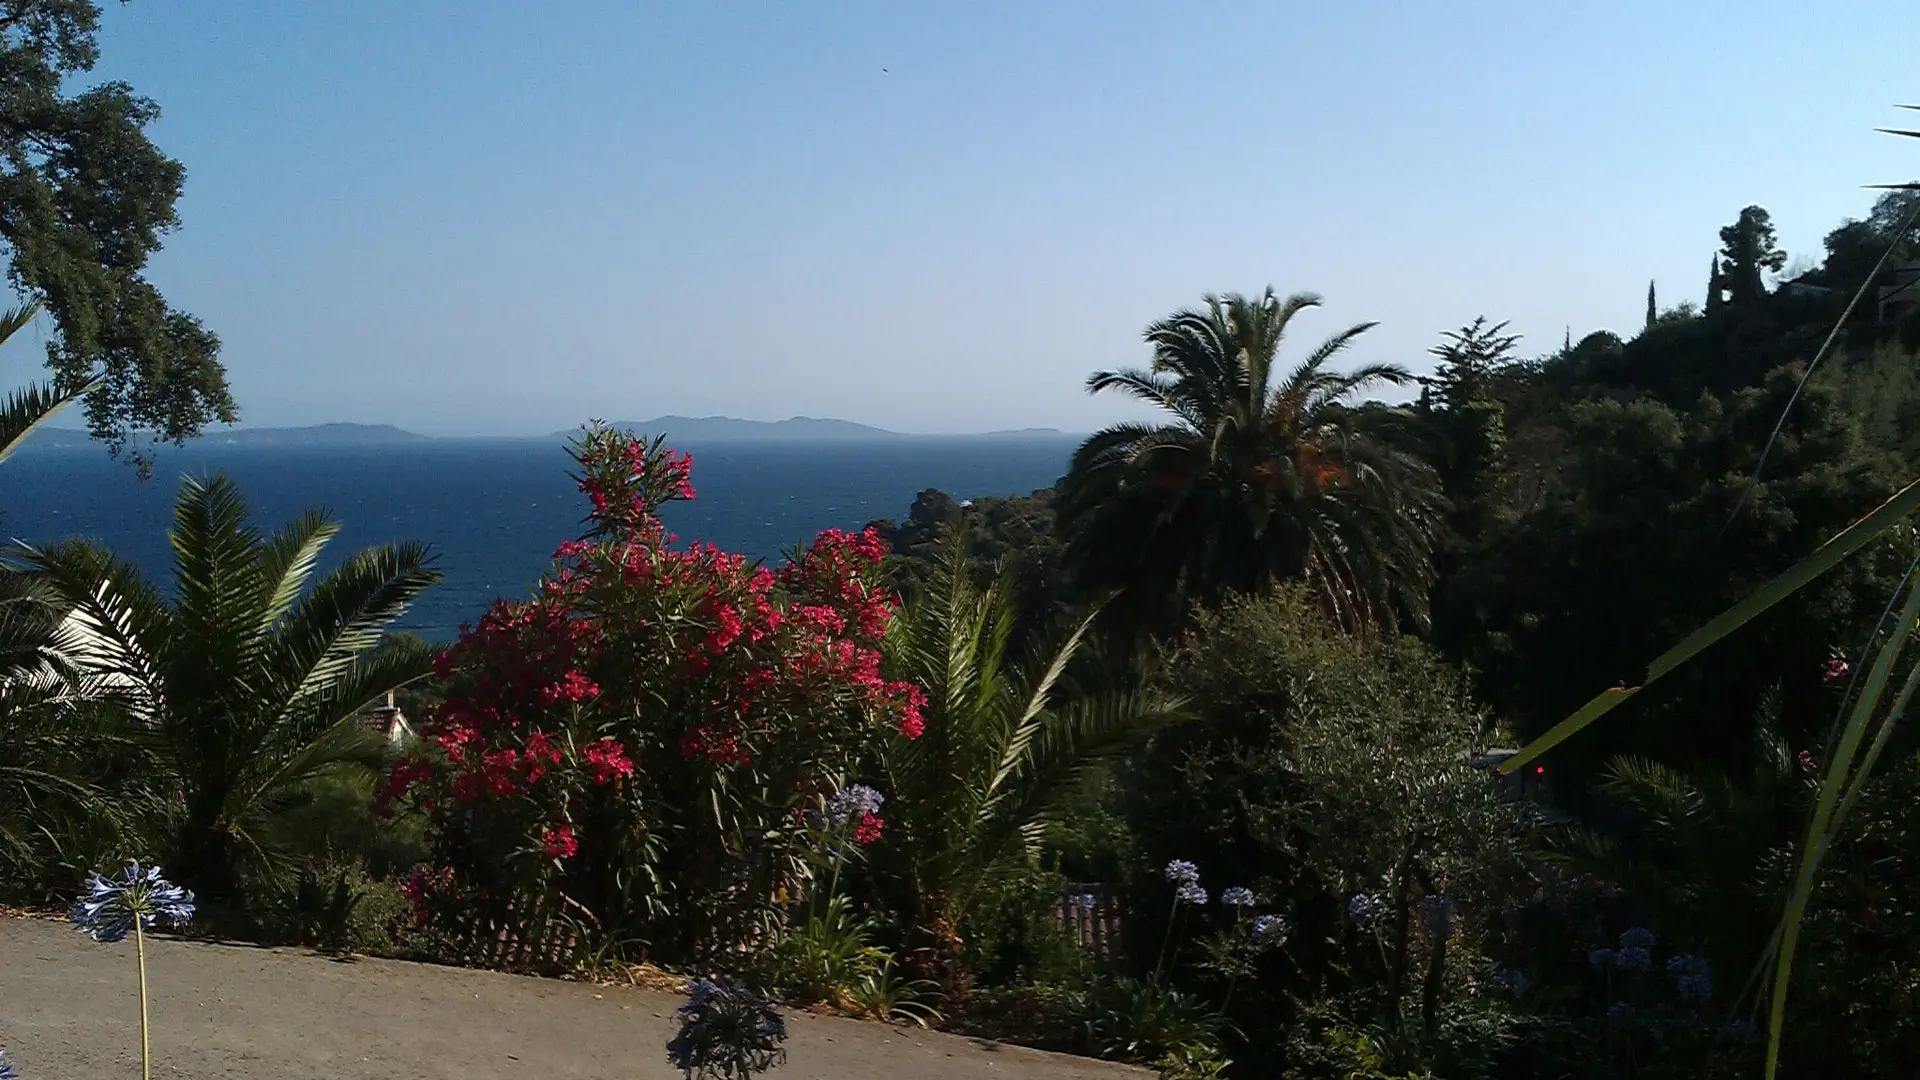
point(681, 429)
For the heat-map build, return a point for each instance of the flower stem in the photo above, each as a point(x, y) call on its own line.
point(140, 955)
point(1166, 941)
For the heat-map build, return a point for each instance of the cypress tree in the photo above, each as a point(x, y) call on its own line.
point(1715, 284)
point(1653, 309)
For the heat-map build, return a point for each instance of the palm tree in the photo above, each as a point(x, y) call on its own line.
point(46, 740)
point(1259, 478)
point(1005, 742)
point(249, 681)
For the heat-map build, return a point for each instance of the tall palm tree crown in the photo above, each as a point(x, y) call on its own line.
point(1260, 477)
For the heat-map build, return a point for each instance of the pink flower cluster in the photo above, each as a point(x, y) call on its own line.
point(635, 648)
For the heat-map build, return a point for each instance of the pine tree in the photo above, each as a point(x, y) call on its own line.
point(1653, 309)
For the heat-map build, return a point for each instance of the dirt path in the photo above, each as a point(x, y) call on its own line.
point(68, 1012)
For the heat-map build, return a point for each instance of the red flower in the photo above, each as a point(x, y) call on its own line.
point(560, 842)
point(912, 724)
point(1835, 670)
point(609, 761)
point(867, 829)
point(573, 687)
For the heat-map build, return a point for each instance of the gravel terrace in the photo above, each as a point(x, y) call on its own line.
point(68, 1011)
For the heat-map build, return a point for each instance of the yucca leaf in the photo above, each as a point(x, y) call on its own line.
point(1822, 827)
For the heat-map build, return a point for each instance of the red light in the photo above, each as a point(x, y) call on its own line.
point(1538, 769)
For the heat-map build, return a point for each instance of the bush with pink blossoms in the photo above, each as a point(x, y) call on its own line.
point(635, 744)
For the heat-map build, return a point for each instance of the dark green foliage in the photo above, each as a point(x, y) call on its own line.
point(1630, 534)
point(1317, 766)
point(1013, 934)
point(1011, 535)
point(85, 197)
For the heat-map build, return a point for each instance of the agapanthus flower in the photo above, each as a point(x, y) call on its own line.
point(1835, 670)
point(1368, 910)
point(1603, 959)
point(1190, 892)
point(852, 801)
point(1182, 871)
point(6, 1068)
point(1692, 976)
point(726, 1030)
point(1436, 915)
point(1619, 1013)
point(1638, 937)
point(1633, 958)
point(1271, 930)
point(1237, 896)
point(107, 910)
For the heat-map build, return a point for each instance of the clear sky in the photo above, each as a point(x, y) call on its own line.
point(471, 218)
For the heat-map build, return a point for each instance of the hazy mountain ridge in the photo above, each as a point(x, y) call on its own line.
point(688, 429)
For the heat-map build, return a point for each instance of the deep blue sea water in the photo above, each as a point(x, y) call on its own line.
point(494, 510)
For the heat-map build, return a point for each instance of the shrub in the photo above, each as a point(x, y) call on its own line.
point(1336, 777)
point(637, 744)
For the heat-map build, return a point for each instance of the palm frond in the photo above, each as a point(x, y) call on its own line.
point(346, 614)
point(25, 410)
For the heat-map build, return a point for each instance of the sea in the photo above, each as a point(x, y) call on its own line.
point(493, 510)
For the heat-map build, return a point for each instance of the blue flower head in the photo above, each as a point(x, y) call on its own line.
point(1633, 958)
point(1271, 930)
point(726, 1030)
point(852, 801)
point(1085, 901)
point(1182, 872)
point(1603, 959)
point(1237, 896)
point(107, 910)
point(6, 1068)
point(1638, 937)
point(1436, 915)
point(1692, 977)
point(1368, 910)
point(1190, 892)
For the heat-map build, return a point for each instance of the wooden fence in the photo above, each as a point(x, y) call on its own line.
point(529, 935)
point(526, 936)
point(1093, 927)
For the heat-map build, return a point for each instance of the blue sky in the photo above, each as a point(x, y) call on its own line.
point(462, 219)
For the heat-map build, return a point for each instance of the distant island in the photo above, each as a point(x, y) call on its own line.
point(714, 429)
point(731, 429)
point(693, 430)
